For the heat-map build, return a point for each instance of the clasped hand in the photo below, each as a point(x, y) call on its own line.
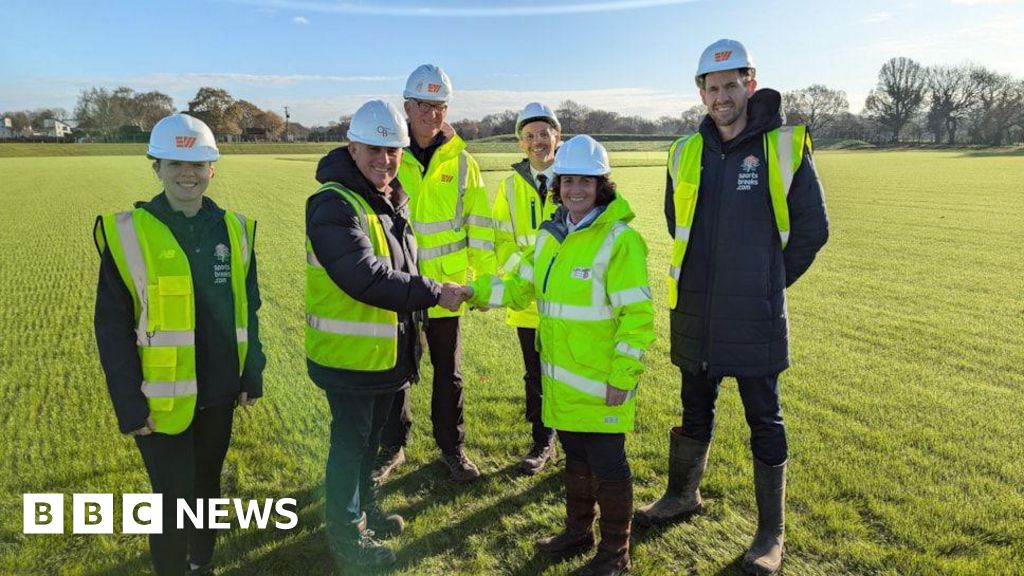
point(453, 295)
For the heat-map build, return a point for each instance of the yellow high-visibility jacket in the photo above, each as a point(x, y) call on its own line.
point(450, 215)
point(596, 316)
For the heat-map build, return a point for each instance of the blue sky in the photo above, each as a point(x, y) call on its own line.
point(323, 58)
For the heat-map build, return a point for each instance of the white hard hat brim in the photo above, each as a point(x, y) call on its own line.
point(203, 154)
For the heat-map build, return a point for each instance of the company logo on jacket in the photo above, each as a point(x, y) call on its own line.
point(748, 175)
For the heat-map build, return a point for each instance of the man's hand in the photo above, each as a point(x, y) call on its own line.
point(451, 296)
point(244, 401)
point(613, 396)
point(145, 430)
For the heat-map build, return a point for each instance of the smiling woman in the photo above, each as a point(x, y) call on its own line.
point(184, 183)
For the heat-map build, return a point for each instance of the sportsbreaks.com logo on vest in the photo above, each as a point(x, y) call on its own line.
point(144, 513)
point(748, 177)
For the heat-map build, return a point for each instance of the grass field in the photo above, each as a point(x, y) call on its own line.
point(904, 408)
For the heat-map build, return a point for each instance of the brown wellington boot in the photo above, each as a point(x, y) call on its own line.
point(615, 499)
point(578, 535)
point(764, 557)
point(687, 459)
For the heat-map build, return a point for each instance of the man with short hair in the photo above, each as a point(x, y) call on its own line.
point(451, 217)
point(522, 204)
point(362, 288)
point(746, 211)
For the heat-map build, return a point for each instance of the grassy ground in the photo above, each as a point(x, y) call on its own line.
point(903, 403)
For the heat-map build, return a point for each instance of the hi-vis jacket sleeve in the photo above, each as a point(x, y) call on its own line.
point(514, 290)
point(630, 297)
point(479, 225)
point(505, 248)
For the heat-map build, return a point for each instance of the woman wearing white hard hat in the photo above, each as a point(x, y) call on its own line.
point(588, 275)
point(177, 331)
point(362, 290)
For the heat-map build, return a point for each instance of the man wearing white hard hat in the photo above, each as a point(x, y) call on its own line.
point(522, 204)
point(362, 289)
point(177, 331)
point(746, 211)
point(588, 274)
point(451, 216)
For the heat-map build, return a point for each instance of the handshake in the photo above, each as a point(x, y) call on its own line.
point(453, 295)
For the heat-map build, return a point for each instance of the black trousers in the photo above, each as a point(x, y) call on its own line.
point(604, 453)
point(531, 360)
point(761, 406)
point(446, 415)
point(186, 465)
point(356, 424)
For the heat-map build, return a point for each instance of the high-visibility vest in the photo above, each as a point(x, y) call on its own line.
point(783, 152)
point(451, 216)
point(342, 332)
point(156, 271)
point(518, 213)
point(596, 318)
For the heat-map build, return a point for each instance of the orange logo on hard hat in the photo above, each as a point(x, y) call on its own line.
point(433, 88)
point(722, 56)
point(184, 141)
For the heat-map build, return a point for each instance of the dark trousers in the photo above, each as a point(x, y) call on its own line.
point(604, 453)
point(188, 466)
point(443, 339)
point(356, 424)
point(531, 360)
point(760, 403)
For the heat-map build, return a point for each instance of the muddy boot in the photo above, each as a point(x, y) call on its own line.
point(355, 546)
point(615, 499)
point(765, 555)
point(387, 461)
point(687, 459)
point(538, 457)
point(578, 535)
point(384, 525)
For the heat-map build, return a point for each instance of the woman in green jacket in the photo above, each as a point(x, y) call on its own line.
point(588, 274)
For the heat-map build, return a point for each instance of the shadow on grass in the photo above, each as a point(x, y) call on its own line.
point(993, 152)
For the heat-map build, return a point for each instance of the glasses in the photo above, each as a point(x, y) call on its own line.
point(427, 107)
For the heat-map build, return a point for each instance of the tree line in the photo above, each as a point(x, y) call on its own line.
point(963, 104)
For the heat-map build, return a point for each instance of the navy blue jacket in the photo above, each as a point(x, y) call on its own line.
point(731, 317)
point(345, 252)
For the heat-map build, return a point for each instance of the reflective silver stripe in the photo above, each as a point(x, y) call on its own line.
point(482, 221)
point(442, 250)
point(784, 149)
point(571, 312)
point(526, 272)
point(241, 335)
point(311, 259)
point(673, 272)
point(169, 389)
point(628, 350)
point(136, 265)
point(463, 177)
point(497, 293)
point(352, 328)
point(526, 239)
point(542, 237)
point(506, 227)
point(683, 233)
point(673, 167)
point(166, 338)
point(630, 296)
point(600, 264)
point(435, 227)
point(480, 244)
point(510, 265)
point(245, 239)
point(510, 198)
point(581, 383)
point(785, 237)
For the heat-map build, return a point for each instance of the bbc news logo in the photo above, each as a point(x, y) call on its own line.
point(143, 513)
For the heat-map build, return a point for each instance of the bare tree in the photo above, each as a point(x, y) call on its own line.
point(898, 95)
point(816, 107)
point(1000, 108)
point(213, 106)
point(692, 117)
point(952, 93)
point(572, 115)
point(600, 122)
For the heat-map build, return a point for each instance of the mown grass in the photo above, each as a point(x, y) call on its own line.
point(903, 404)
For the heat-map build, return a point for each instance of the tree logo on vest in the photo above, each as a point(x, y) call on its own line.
point(222, 253)
point(748, 176)
point(581, 273)
point(222, 271)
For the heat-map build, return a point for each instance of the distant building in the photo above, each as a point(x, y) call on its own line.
point(6, 130)
point(53, 128)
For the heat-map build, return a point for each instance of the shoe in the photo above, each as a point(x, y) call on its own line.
point(537, 458)
point(387, 461)
point(687, 459)
point(359, 548)
point(204, 570)
point(383, 525)
point(578, 535)
point(615, 500)
point(461, 467)
point(764, 557)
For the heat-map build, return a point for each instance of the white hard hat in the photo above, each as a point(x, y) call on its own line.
point(378, 123)
point(428, 82)
point(582, 155)
point(536, 111)
point(722, 55)
point(182, 137)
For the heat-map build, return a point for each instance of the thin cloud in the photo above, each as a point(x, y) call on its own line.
point(979, 2)
point(302, 20)
point(875, 18)
point(478, 11)
point(165, 78)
